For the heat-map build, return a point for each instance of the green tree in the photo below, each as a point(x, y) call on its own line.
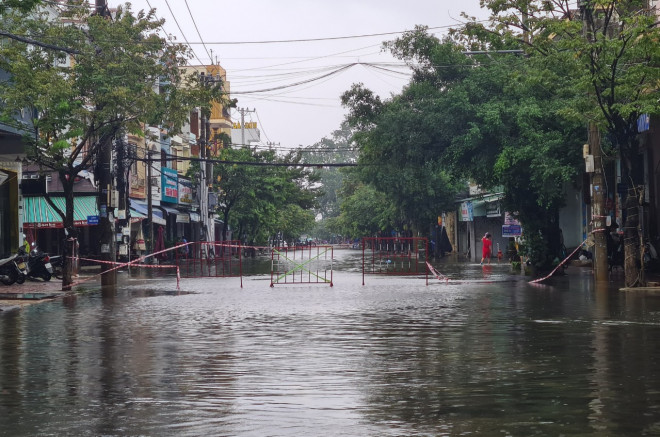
point(365, 211)
point(517, 137)
point(612, 53)
point(108, 87)
point(18, 5)
point(496, 121)
point(398, 142)
point(338, 149)
point(262, 193)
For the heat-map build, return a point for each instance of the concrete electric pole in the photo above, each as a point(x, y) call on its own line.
point(206, 166)
point(107, 201)
point(244, 111)
point(598, 206)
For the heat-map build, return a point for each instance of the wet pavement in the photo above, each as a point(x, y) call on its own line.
point(484, 353)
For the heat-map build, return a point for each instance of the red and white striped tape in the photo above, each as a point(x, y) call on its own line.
point(536, 281)
point(134, 263)
point(436, 273)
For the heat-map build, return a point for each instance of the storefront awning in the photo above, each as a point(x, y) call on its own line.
point(180, 216)
point(143, 208)
point(183, 217)
point(38, 214)
point(169, 209)
point(137, 216)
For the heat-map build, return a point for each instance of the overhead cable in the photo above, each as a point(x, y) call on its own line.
point(180, 30)
point(302, 82)
point(248, 163)
point(331, 38)
point(198, 34)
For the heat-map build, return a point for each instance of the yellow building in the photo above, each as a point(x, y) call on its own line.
point(220, 120)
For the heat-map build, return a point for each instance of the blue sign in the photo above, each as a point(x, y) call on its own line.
point(511, 231)
point(643, 123)
point(170, 185)
point(92, 220)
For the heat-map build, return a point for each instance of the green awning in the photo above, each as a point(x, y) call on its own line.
point(137, 214)
point(38, 214)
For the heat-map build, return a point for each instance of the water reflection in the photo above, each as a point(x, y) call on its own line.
point(495, 356)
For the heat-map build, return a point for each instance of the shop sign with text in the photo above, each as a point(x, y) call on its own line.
point(170, 184)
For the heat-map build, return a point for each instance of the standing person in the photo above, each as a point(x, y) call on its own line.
point(487, 248)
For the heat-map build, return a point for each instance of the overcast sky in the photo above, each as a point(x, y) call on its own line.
point(301, 115)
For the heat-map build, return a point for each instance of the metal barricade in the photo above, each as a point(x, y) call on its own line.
point(208, 259)
point(301, 265)
point(395, 256)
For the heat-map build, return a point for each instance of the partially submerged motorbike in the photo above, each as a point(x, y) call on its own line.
point(56, 263)
point(38, 263)
point(12, 269)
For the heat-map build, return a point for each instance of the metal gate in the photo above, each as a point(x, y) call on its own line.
point(396, 256)
point(204, 259)
point(301, 265)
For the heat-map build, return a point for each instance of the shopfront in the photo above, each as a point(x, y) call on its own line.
point(43, 224)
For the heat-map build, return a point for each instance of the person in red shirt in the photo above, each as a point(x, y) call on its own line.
point(487, 248)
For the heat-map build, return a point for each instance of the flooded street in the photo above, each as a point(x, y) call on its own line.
point(492, 355)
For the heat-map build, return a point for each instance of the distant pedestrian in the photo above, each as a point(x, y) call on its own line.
point(184, 250)
point(487, 248)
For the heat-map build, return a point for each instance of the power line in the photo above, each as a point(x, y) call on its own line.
point(248, 163)
point(261, 124)
point(180, 30)
point(166, 34)
point(198, 34)
point(332, 73)
point(331, 38)
point(39, 43)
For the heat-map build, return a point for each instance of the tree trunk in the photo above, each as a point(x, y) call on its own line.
point(634, 274)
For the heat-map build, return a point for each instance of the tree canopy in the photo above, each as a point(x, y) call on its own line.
point(610, 56)
point(258, 199)
point(495, 120)
point(114, 75)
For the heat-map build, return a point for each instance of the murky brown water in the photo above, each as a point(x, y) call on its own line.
point(494, 357)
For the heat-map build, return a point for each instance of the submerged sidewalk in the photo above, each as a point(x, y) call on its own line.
point(35, 290)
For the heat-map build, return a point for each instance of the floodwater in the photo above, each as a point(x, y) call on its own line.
point(484, 354)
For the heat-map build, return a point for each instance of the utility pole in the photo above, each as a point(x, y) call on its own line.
point(598, 206)
point(124, 157)
point(107, 201)
point(244, 111)
point(206, 165)
point(150, 205)
point(203, 172)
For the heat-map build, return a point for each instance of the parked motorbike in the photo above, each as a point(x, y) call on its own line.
point(38, 263)
point(56, 262)
point(12, 269)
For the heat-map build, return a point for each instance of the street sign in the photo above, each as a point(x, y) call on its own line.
point(92, 220)
point(511, 231)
